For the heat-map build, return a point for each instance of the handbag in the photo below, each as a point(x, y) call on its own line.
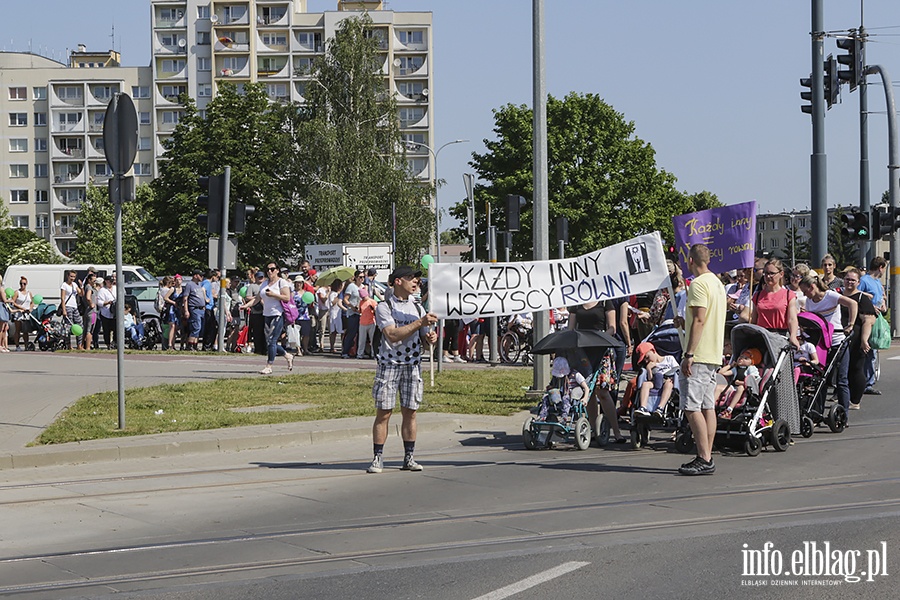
point(4, 313)
point(880, 338)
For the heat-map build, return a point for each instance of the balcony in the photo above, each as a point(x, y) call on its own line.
point(66, 153)
point(67, 127)
point(270, 70)
point(68, 203)
point(226, 43)
point(272, 19)
point(74, 176)
point(69, 98)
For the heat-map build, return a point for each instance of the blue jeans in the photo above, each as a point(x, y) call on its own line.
point(273, 328)
point(841, 377)
point(871, 359)
point(351, 332)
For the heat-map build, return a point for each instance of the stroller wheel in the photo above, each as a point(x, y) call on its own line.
point(635, 437)
point(837, 418)
point(528, 436)
point(780, 435)
point(806, 427)
point(582, 433)
point(752, 445)
point(602, 434)
point(684, 442)
point(29, 347)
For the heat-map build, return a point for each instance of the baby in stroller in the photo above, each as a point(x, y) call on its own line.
point(558, 398)
point(745, 366)
point(656, 380)
point(133, 329)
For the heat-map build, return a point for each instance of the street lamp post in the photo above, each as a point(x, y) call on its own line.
point(437, 228)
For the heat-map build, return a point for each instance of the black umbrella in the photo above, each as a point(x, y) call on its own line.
point(575, 338)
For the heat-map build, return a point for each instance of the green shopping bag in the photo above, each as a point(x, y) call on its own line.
point(880, 338)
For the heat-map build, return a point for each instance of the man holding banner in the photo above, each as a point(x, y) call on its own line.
point(705, 322)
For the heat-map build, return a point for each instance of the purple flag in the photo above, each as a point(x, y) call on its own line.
point(729, 231)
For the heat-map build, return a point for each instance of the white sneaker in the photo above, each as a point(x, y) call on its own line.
point(266, 371)
point(290, 361)
point(409, 464)
point(377, 465)
point(459, 359)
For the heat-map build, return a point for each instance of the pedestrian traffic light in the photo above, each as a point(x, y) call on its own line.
point(885, 221)
point(514, 205)
point(856, 226)
point(807, 83)
point(562, 229)
point(854, 60)
point(211, 199)
point(241, 210)
point(832, 82)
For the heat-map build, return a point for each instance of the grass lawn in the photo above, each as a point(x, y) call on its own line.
point(208, 405)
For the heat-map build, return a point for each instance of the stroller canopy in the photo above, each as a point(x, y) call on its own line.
point(745, 336)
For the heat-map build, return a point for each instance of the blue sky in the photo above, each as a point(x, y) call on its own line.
point(712, 85)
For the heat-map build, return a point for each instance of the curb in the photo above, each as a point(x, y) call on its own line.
point(209, 442)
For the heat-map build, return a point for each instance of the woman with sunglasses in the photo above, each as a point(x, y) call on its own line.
point(859, 339)
point(799, 271)
point(273, 291)
point(23, 303)
point(775, 306)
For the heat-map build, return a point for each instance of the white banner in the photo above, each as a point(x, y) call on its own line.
point(467, 290)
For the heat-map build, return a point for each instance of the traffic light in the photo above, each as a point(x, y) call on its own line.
point(807, 83)
point(856, 226)
point(514, 204)
point(212, 199)
point(562, 229)
point(241, 210)
point(854, 60)
point(885, 221)
point(832, 82)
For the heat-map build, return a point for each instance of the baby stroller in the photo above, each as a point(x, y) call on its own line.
point(579, 346)
point(769, 410)
point(812, 380)
point(146, 332)
point(666, 341)
point(52, 333)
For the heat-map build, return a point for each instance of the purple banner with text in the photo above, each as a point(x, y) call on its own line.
point(729, 231)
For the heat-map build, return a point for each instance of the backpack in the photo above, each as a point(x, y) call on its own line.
point(160, 303)
point(84, 306)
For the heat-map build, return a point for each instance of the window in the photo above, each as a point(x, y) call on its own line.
point(170, 14)
point(43, 222)
point(274, 39)
point(18, 171)
point(234, 13)
point(277, 91)
point(310, 41)
point(762, 225)
point(140, 91)
point(40, 119)
point(203, 38)
point(41, 170)
point(203, 12)
point(204, 90)
point(415, 139)
point(20, 221)
point(774, 225)
point(171, 92)
point(18, 93)
point(801, 222)
point(204, 63)
point(774, 242)
point(411, 89)
point(41, 196)
point(71, 196)
point(411, 116)
point(302, 66)
point(144, 118)
point(270, 65)
point(18, 197)
point(417, 165)
point(144, 143)
point(142, 169)
point(171, 117)
point(235, 63)
point(102, 170)
point(39, 93)
point(67, 120)
point(412, 37)
point(40, 144)
point(103, 92)
point(172, 65)
point(69, 92)
point(67, 247)
point(18, 119)
point(18, 145)
point(169, 39)
point(410, 64)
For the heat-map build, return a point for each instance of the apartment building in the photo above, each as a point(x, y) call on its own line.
point(52, 113)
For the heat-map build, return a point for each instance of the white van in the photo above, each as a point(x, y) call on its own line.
point(46, 280)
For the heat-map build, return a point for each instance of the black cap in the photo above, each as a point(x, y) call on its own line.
point(372, 272)
point(197, 272)
point(403, 271)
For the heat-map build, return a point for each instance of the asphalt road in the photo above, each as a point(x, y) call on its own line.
point(486, 519)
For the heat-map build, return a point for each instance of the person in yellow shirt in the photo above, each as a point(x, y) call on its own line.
point(705, 323)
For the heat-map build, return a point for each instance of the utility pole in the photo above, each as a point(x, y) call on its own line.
point(540, 202)
point(818, 177)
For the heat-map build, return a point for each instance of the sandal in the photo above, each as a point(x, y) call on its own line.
point(725, 414)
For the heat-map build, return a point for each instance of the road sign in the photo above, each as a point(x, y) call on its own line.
point(230, 253)
point(120, 133)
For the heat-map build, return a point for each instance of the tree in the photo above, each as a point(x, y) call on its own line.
point(348, 169)
point(11, 239)
point(601, 177)
point(95, 227)
point(454, 236)
point(797, 245)
point(35, 252)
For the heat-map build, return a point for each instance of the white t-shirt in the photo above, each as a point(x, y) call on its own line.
point(272, 305)
point(829, 309)
point(71, 300)
point(805, 351)
point(667, 364)
point(105, 295)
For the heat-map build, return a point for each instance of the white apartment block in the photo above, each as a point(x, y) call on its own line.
point(52, 114)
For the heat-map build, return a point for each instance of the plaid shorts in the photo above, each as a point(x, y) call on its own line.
point(391, 379)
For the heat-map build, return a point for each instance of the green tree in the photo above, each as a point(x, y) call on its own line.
point(95, 227)
point(797, 245)
point(601, 176)
point(35, 252)
point(11, 239)
point(348, 168)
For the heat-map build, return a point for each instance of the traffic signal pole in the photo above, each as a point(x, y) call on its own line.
point(818, 189)
point(223, 239)
point(893, 189)
point(867, 249)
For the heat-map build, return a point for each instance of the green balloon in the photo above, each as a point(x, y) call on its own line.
point(77, 329)
point(427, 260)
point(9, 293)
point(307, 297)
point(243, 292)
point(38, 299)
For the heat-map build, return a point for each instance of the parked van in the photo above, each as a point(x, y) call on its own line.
point(47, 280)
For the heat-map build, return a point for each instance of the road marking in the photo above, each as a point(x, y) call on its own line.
point(530, 582)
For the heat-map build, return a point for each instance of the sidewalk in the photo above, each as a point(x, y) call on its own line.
point(38, 386)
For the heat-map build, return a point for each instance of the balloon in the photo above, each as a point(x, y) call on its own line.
point(77, 329)
point(9, 293)
point(243, 292)
point(307, 297)
point(427, 260)
point(38, 299)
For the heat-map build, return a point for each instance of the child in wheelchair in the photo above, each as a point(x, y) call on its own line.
point(557, 400)
point(656, 379)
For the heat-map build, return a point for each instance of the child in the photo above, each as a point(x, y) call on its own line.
point(806, 353)
point(559, 390)
point(366, 324)
point(657, 375)
point(134, 330)
point(737, 374)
